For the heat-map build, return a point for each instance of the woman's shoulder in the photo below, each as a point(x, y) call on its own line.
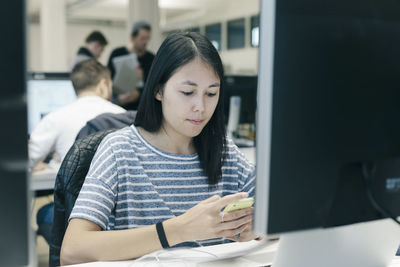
point(121, 137)
point(230, 147)
point(233, 154)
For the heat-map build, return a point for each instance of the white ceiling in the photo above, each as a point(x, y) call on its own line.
point(116, 9)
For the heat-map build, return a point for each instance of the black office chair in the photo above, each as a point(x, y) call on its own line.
point(107, 121)
point(69, 181)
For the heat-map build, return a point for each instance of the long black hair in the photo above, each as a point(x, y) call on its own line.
point(177, 50)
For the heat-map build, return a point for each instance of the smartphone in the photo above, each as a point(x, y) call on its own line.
point(239, 204)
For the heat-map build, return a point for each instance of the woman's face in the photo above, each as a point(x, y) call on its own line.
point(189, 99)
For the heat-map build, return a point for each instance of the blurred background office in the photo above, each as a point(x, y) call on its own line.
point(56, 29)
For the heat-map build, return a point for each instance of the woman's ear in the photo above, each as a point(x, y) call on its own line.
point(158, 94)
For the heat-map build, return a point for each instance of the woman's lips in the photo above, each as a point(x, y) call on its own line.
point(196, 122)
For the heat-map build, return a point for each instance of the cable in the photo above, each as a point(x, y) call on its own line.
point(161, 257)
point(367, 175)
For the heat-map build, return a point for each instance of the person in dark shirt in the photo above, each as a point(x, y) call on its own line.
point(140, 37)
point(94, 47)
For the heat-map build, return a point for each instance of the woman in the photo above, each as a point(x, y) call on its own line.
point(163, 181)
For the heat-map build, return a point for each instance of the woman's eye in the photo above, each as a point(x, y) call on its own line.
point(211, 94)
point(186, 93)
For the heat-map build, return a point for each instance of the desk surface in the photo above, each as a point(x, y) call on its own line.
point(44, 179)
point(247, 254)
point(249, 153)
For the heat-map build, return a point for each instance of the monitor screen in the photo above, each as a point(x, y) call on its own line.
point(16, 235)
point(47, 92)
point(328, 118)
point(246, 88)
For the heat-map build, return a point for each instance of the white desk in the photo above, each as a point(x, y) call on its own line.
point(249, 153)
point(249, 254)
point(44, 179)
point(246, 254)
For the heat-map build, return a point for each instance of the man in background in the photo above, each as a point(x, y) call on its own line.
point(140, 37)
point(57, 131)
point(94, 46)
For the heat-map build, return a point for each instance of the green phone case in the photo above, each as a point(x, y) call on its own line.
point(239, 204)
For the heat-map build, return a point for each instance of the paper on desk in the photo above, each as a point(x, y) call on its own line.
point(192, 256)
point(126, 78)
point(395, 262)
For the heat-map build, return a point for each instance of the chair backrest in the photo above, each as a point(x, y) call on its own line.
point(107, 121)
point(69, 181)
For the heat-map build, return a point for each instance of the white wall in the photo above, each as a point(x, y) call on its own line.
point(240, 61)
point(76, 34)
point(33, 49)
point(236, 61)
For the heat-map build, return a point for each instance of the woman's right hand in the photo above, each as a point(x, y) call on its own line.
point(204, 221)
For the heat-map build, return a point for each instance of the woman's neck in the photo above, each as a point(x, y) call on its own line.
point(167, 142)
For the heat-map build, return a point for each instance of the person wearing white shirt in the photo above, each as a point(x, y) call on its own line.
point(57, 131)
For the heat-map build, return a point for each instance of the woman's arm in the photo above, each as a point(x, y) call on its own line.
point(84, 241)
point(42, 140)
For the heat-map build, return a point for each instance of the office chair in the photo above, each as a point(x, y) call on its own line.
point(69, 181)
point(107, 121)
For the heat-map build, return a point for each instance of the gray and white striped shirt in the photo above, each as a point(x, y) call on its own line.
point(131, 183)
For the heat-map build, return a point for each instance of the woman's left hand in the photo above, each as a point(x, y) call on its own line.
point(246, 235)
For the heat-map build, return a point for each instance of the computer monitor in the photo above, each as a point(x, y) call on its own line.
point(47, 92)
point(16, 235)
point(328, 131)
point(246, 88)
point(240, 108)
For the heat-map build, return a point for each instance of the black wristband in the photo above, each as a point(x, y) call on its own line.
point(161, 235)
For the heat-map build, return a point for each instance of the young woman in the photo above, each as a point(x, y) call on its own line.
point(164, 180)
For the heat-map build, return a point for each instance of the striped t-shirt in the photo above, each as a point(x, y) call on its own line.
point(131, 183)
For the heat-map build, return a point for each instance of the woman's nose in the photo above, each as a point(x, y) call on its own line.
point(199, 104)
